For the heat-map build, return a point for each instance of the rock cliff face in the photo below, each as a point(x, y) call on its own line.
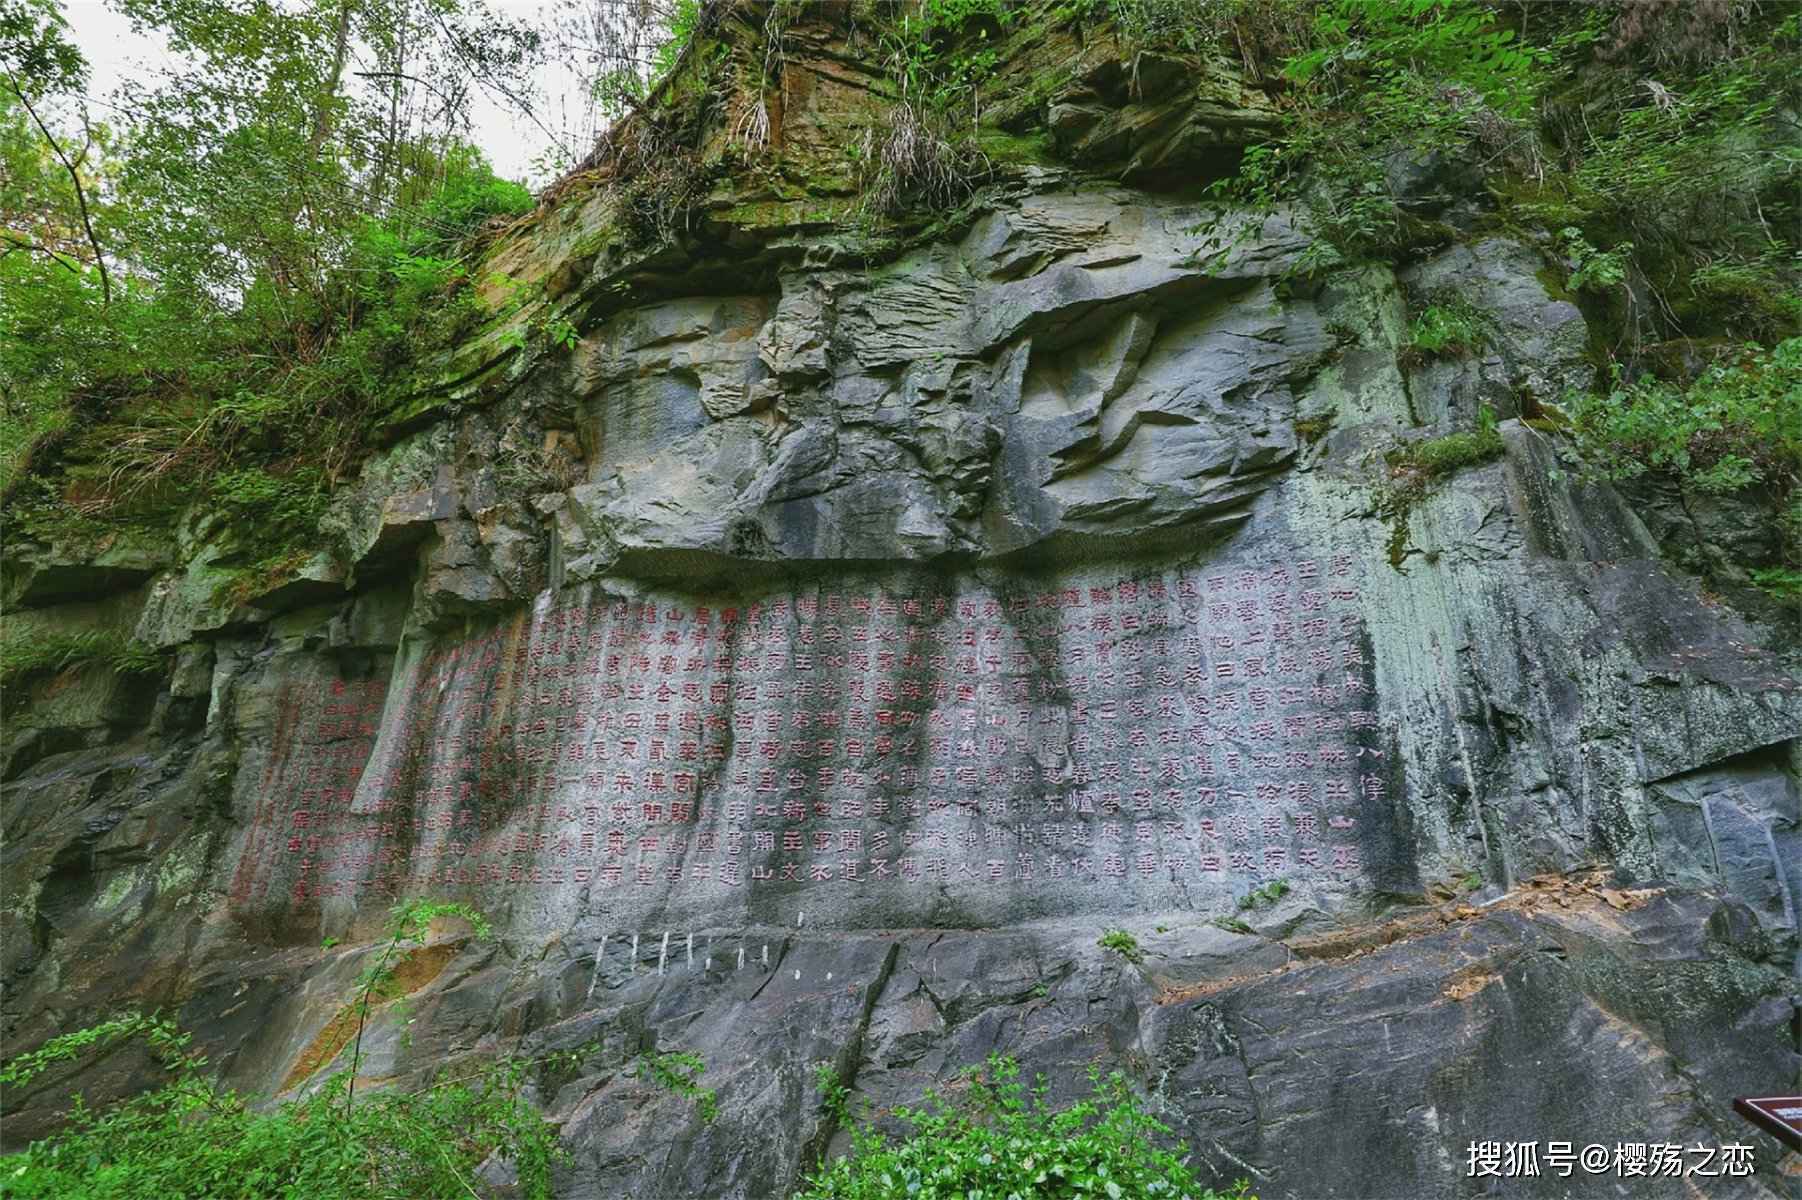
point(811, 663)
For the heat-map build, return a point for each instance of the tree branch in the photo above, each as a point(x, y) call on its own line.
point(81, 195)
point(16, 243)
point(403, 75)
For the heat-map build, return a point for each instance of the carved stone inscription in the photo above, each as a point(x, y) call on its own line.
point(1167, 730)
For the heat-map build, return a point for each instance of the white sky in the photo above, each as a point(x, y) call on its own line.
point(115, 53)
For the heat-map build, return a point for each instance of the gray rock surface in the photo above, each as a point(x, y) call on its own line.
point(1018, 552)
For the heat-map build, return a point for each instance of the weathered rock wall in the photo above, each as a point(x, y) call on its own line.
point(812, 663)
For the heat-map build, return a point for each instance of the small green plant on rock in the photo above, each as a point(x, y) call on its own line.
point(1783, 583)
point(562, 333)
point(1415, 468)
point(1312, 429)
point(1122, 943)
point(1594, 270)
point(1264, 896)
point(1447, 330)
point(1000, 1139)
point(1434, 458)
point(680, 1071)
point(1232, 925)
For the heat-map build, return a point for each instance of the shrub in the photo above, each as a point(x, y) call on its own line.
point(1122, 943)
point(1594, 270)
point(194, 1139)
point(1738, 425)
point(999, 1140)
point(1748, 294)
point(1448, 329)
point(1264, 32)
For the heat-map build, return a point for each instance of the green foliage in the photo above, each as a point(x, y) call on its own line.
point(1755, 295)
point(409, 923)
point(1232, 925)
point(1000, 1140)
point(34, 43)
point(927, 154)
point(1434, 458)
point(833, 1093)
point(1264, 896)
point(1415, 468)
point(1393, 48)
point(194, 1139)
point(683, 18)
point(248, 268)
point(1447, 329)
point(1658, 160)
point(680, 1071)
point(26, 654)
point(166, 1043)
point(561, 334)
point(1261, 31)
point(1784, 583)
point(1187, 25)
point(1678, 147)
point(1122, 943)
point(1665, 145)
point(1592, 269)
point(253, 495)
point(206, 402)
point(269, 521)
point(632, 49)
point(1739, 425)
point(1414, 78)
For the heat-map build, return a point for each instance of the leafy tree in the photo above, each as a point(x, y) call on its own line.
point(216, 290)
